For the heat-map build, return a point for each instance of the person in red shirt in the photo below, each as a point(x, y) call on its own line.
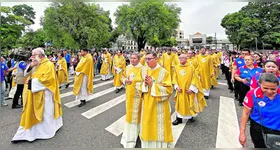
point(262, 107)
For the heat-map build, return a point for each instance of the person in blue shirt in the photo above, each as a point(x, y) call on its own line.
point(4, 70)
point(262, 107)
point(67, 58)
point(19, 79)
point(237, 63)
point(244, 75)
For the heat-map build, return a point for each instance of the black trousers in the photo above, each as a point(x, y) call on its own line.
point(243, 91)
point(228, 77)
point(68, 65)
point(237, 88)
point(17, 94)
point(256, 134)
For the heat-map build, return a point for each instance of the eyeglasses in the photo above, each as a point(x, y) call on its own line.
point(149, 58)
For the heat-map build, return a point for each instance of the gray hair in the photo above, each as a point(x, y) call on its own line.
point(269, 77)
point(136, 54)
point(39, 51)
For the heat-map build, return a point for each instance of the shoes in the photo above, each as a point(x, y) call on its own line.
point(177, 121)
point(4, 105)
point(117, 90)
point(192, 120)
point(8, 98)
point(83, 102)
point(231, 91)
point(206, 97)
point(240, 104)
point(16, 106)
point(67, 85)
point(59, 87)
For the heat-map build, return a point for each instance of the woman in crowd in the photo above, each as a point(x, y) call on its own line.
point(258, 59)
point(244, 75)
point(75, 61)
point(269, 67)
point(262, 106)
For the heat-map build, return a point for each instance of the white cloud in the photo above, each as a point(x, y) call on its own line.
point(196, 16)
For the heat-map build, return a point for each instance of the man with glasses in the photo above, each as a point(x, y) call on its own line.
point(156, 131)
point(189, 95)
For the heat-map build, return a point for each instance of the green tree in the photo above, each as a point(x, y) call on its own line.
point(240, 29)
point(209, 40)
point(14, 20)
point(145, 21)
point(267, 29)
point(77, 24)
point(33, 39)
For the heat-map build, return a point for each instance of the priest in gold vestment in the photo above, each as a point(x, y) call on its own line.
point(206, 71)
point(83, 82)
point(62, 71)
point(134, 73)
point(42, 112)
point(189, 95)
point(156, 131)
point(105, 70)
point(119, 65)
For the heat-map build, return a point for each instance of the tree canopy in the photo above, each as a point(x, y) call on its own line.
point(14, 21)
point(257, 20)
point(75, 25)
point(150, 22)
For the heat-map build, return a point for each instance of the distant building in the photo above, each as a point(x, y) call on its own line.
point(180, 38)
point(197, 40)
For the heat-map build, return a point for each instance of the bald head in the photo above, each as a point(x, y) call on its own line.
point(183, 59)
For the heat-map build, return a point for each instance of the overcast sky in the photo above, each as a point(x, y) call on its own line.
point(196, 15)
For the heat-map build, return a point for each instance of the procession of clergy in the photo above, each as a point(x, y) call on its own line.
point(149, 80)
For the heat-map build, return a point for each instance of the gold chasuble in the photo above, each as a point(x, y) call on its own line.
point(167, 62)
point(215, 66)
point(106, 64)
point(186, 78)
point(62, 72)
point(134, 97)
point(119, 66)
point(33, 103)
point(84, 67)
point(206, 68)
point(156, 119)
point(175, 61)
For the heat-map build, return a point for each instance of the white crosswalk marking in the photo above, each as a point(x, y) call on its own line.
point(176, 130)
point(117, 127)
point(228, 129)
point(91, 97)
point(94, 86)
point(220, 83)
point(101, 108)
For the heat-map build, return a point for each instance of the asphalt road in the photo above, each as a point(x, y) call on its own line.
point(80, 132)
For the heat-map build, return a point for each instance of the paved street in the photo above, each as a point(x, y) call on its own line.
point(100, 122)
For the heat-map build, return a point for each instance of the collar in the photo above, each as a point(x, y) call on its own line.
point(254, 66)
point(157, 66)
point(137, 66)
point(44, 60)
point(259, 94)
